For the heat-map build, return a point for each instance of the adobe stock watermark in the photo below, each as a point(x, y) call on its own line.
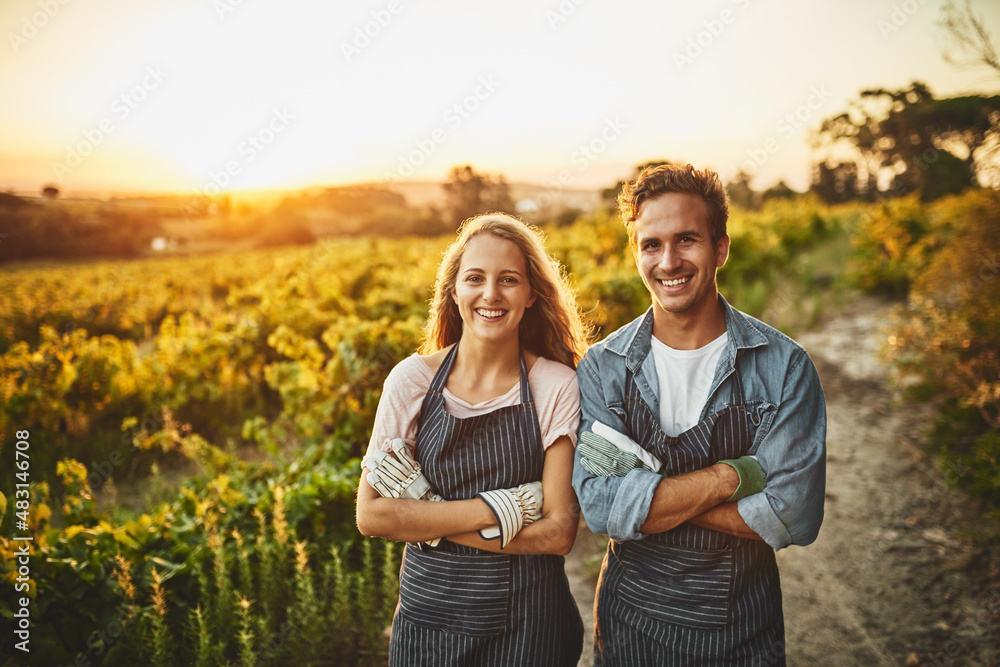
point(704, 39)
point(562, 12)
point(363, 35)
point(901, 13)
point(454, 116)
point(122, 107)
point(248, 150)
point(582, 158)
point(224, 7)
point(786, 127)
point(109, 292)
point(922, 162)
point(47, 10)
point(984, 621)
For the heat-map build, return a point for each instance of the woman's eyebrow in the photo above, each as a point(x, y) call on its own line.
point(474, 268)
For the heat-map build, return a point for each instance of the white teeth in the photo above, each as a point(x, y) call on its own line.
point(490, 313)
point(674, 283)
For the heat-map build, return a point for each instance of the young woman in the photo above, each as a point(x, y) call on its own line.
point(487, 409)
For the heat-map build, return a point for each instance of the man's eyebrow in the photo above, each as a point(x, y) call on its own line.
point(656, 237)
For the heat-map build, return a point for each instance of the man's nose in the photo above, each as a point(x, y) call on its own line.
point(670, 259)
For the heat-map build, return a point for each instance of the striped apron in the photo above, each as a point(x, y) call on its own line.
point(460, 605)
point(690, 595)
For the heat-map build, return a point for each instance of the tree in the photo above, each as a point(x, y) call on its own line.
point(50, 192)
point(835, 183)
point(779, 190)
point(740, 192)
point(610, 195)
point(967, 34)
point(907, 140)
point(469, 193)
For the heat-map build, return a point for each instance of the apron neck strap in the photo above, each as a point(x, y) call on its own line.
point(441, 376)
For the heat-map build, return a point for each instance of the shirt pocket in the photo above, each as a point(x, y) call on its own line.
point(762, 416)
point(678, 585)
point(463, 593)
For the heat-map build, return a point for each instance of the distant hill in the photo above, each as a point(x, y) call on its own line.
point(432, 194)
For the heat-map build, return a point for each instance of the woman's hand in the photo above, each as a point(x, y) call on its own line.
point(513, 508)
point(397, 475)
point(556, 531)
point(396, 502)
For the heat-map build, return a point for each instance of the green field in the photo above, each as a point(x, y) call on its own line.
point(195, 423)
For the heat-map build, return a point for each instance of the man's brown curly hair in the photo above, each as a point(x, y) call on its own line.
point(655, 181)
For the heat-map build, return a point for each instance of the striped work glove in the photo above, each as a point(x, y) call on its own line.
point(609, 453)
point(514, 509)
point(398, 475)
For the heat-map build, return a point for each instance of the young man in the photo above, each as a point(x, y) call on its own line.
point(702, 447)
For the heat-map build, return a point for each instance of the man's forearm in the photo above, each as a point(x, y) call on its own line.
point(681, 498)
point(726, 518)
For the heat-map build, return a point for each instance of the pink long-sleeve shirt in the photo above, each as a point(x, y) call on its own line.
point(553, 386)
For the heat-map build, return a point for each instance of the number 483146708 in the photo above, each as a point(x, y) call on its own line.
point(23, 463)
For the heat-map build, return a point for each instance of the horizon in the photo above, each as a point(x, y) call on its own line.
point(107, 195)
point(197, 97)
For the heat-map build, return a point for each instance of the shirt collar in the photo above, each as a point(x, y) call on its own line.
point(632, 340)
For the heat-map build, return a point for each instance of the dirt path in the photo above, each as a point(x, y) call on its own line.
point(905, 571)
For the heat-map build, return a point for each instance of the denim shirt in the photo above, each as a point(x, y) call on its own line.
point(783, 392)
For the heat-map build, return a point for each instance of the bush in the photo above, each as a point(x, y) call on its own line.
point(946, 342)
point(890, 246)
point(256, 567)
point(59, 230)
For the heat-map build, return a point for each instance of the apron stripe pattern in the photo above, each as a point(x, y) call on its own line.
point(464, 606)
point(690, 595)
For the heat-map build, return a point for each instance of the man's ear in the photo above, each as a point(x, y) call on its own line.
point(722, 251)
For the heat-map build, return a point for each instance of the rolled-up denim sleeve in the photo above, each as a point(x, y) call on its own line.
point(615, 506)
point(793, 455)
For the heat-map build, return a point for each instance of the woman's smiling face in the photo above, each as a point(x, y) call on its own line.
point(492, 289)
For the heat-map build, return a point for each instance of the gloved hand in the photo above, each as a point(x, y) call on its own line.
point(752, 478)
point(514, 509)
point(607, 452)
point(398, 475)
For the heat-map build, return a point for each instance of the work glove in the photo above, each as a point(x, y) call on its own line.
point(398, 475)
point(514, 509)
point(609, 453)
point(752, 478)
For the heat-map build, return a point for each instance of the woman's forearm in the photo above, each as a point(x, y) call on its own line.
point(406, 520)
point(552, 534)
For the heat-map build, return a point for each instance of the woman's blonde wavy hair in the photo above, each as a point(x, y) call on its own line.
point(552, 328)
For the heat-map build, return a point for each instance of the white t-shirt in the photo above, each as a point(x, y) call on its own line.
point(685, 378)
point(553, 385)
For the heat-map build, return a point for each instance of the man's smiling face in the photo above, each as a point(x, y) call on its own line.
point(675, 254)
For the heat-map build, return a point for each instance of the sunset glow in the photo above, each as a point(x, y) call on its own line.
point(188, 95)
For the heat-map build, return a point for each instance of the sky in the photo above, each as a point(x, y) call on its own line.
point(206, 96)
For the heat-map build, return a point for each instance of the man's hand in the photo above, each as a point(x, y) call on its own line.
point(609, 453)
point(752, 478)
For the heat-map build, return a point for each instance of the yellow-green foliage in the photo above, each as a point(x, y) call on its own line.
point(183, 586)
point(890, 245)
point(948, 336)
point(118, 368)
